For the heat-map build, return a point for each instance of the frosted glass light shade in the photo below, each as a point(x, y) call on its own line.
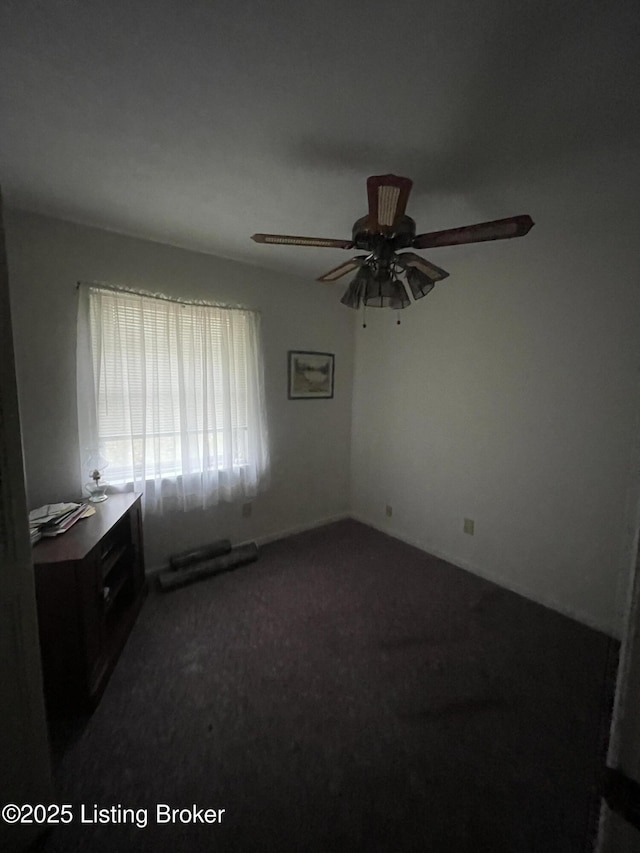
point(419, 282)
point(384, 292)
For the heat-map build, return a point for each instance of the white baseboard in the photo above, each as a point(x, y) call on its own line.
point(300, 528)
point(578, 615)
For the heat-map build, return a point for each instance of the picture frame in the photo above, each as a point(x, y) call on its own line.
point(310, 375)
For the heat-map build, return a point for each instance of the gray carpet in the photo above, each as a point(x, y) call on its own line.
point(347, 692)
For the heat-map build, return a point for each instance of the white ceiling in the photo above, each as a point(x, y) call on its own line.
point(199, 123)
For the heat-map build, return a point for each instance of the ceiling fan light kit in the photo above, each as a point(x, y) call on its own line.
point(354, 293)
point(419, 283)
point(384, 291)
point(384, 231)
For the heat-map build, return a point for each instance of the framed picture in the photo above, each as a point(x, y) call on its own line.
point(310, 375)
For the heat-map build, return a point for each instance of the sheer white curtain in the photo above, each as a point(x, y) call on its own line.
point(172, 395)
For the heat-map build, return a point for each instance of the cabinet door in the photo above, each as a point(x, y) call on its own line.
point(92, 615)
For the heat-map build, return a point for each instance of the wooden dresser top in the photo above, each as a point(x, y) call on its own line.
point(78, 541)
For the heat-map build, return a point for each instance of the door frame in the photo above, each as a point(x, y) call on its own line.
point(25, 764)
point(615, 833)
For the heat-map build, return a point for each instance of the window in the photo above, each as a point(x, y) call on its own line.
point(172, 395)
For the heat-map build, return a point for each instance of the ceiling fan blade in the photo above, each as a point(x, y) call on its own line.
point(343, 269)
point(291, 240)
point(388, 196)
point(499, 229)
point(409, 259)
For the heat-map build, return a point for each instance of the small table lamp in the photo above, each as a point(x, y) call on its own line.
point(96, 487)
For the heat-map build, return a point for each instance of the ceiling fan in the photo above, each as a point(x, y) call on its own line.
point(381, 233)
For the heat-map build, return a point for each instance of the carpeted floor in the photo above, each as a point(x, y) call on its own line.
point(347, 692)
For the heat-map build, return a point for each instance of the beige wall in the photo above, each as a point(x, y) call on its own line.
point(310, 440)
point(510, 395)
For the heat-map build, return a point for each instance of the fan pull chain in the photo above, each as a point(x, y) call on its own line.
point(364, 316)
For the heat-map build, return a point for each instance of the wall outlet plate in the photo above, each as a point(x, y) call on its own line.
point(388, 511)
point(469, 526)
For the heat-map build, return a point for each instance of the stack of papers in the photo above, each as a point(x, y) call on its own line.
point(53, 519)
point(49, 512)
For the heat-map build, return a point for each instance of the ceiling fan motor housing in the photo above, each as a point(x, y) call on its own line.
point(382, 244)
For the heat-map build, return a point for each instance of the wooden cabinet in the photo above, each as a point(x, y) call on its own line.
point(90, 586)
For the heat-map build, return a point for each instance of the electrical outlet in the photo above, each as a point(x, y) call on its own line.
point(247, 509)
point(469, 525)
point(388, 511)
